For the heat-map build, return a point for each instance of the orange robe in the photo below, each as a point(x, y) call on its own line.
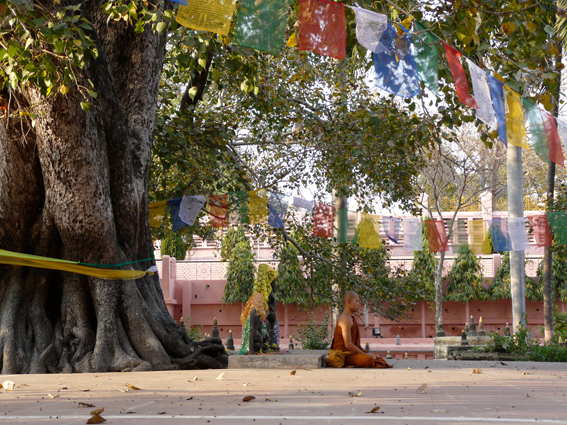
point(355, 360)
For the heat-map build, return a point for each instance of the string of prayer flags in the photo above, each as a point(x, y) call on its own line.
point(189, 208)
point(477, 230)
point(562, 126)
point(323, 220)
point(413, 234)
point(174, 207)
point(486, 245)
point(537, 129)
point(426, 59)
point(261, 25)
point(541, 230)
point(499, 234)
point(218, 209)
point(369, 231)
point(518, 236)
point(302, 203)
point(369, 28)
point(459, 76)
point(481, 89)
point(555, 151)
point(392, 228)
point(258, 206)
point(238, 207)
point(558, 224)
point(515, 128)
point(157, 211)
point(211, 15)
point(497, 94)
point(277, 210)
point(460, 242)
point(395, 69)
point(436, 235)
point(322, 28)
point(183, 2)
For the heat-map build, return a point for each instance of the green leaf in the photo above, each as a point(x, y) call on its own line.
point(193, 92)
point(85, 106)
point(161, 26)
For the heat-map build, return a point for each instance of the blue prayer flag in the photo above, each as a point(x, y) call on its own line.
point(183, 2)
point(277, 209)
point(497, 94)
point(394, 65)
point(499, 235)
point(176, 222)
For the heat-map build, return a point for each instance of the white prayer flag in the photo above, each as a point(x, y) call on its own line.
point(302, 203)
point(518, 235)
point(369, 28)
point(190, 207)
point(562, 127)
point(485, 111)
point(413, 234)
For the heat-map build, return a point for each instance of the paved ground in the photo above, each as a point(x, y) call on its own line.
point(516, 393)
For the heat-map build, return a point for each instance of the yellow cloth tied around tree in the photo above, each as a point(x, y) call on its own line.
point(258, 302)
point(264, 279)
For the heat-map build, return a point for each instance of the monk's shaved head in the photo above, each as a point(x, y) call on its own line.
point(349, 295)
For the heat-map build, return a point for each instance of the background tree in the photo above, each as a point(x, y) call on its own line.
point(240, 274)
point(465, 278)
point(423, 269)
point(291, 288)
point(233, 236)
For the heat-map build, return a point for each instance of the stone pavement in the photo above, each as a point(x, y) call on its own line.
point(515, 393)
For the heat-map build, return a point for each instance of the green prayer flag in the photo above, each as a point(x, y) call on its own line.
point(537, 129)
point(558, 223)
point(238, 207)
point(346, 225)
point(426, 59)
point(261, 25)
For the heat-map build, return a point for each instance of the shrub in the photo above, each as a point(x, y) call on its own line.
point(312, 335)
point(465, 278)
point(233, 236)
point(174, 246)
point(240, 274)
point(423, 270)
point(193, 330)
point(290, 288)
point(500, 288)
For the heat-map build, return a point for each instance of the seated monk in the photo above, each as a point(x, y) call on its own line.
point(347, 337)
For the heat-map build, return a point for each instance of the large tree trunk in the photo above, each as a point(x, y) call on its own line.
point(76, 187)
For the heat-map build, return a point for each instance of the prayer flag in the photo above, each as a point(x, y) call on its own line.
point(555, 151)
point(413, 234)
point(515, 128)
point(261, 25)
point(518, 236)
point(436, 235)
point(395, 68)
point(323, 220)
point(369, 231)
point(346, 225)
point(459, 76)
point(426, 59)
point(238, 207)
point(485, 112)
point(302, 203)
point(183, 2)
point(210, 15)
point(157, 211)
point(477, 229)
point(497, 94)
point(176, 222)
point(563, 132)
point(277, 207)
point(369, 28)
point(558, 224)
point(392, 228)
point(541, 230)
point(537, 129)
point(460, 236)
point(218, 209)
point(322, 28)
point(190, 207)
point(499, 234)
point(258, 206)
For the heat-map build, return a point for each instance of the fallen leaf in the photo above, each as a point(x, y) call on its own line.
point(96, 419)
point(52, 395)
point(125, 412)
point(97, 411)
point(27, 385)
point(132, 387)
point(422, 389)
point(221, 377)
point(477, 371)
point(249, 398)
point(355, 393)
point(314, 392)
point(189, 398)
point(124, 390)
point(426, 367)
point(194, 379)
point(439, 411)
point(1, 386)
point(8, 385)
point(245, 384)
point(374, 410)
point(161, 413)
point(525, 373)
point(409, 368)
point(271, 399)
point(81, 404)
point(292, 372)
point(309, 370)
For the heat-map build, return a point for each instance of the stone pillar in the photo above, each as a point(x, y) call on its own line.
point(187, 299)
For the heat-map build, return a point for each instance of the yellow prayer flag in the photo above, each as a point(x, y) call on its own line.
point(515, 128)
point(210, 15)
point(476, 234)
point(258, 206)
point(369, 231)
point(157, 211)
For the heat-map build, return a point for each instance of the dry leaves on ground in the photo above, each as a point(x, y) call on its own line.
point(422, 389)
point(271, 399)
point(439, 411)
point(477, 371)
point(125, 412)
point(161, 413)
point(374, 410)
point(96, 419)
point(97, 411)
point(292, 372)
point(189, 398)
point(8, 385)
point(525, 373)
point(355, 393)
point(132, 387)
point(249, 398)
point(81, 404)
point(52, 395)
point(409, 368)
point(194, 379)
point(245, 384)
point(221, 377)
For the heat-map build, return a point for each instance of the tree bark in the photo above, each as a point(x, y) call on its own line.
point(547, 264)
point(76, 187)
point(439, 291)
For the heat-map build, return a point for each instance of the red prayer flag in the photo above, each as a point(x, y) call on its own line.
point(323, 220)
point(436, 235)
point(459, 76)
point(218, 208)
point(553, 141)
point(322, 28)
point(542, 232)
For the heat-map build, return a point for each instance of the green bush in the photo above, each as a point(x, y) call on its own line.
point(500, 288)
point(193, 330)
point(312, 335)
point(240, 275)
point(174, 246)
point(423, 270)
point(233, 236)
point(290, 288)
point(465, 278)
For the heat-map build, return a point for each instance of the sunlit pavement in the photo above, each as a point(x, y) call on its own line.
point(519, 392)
